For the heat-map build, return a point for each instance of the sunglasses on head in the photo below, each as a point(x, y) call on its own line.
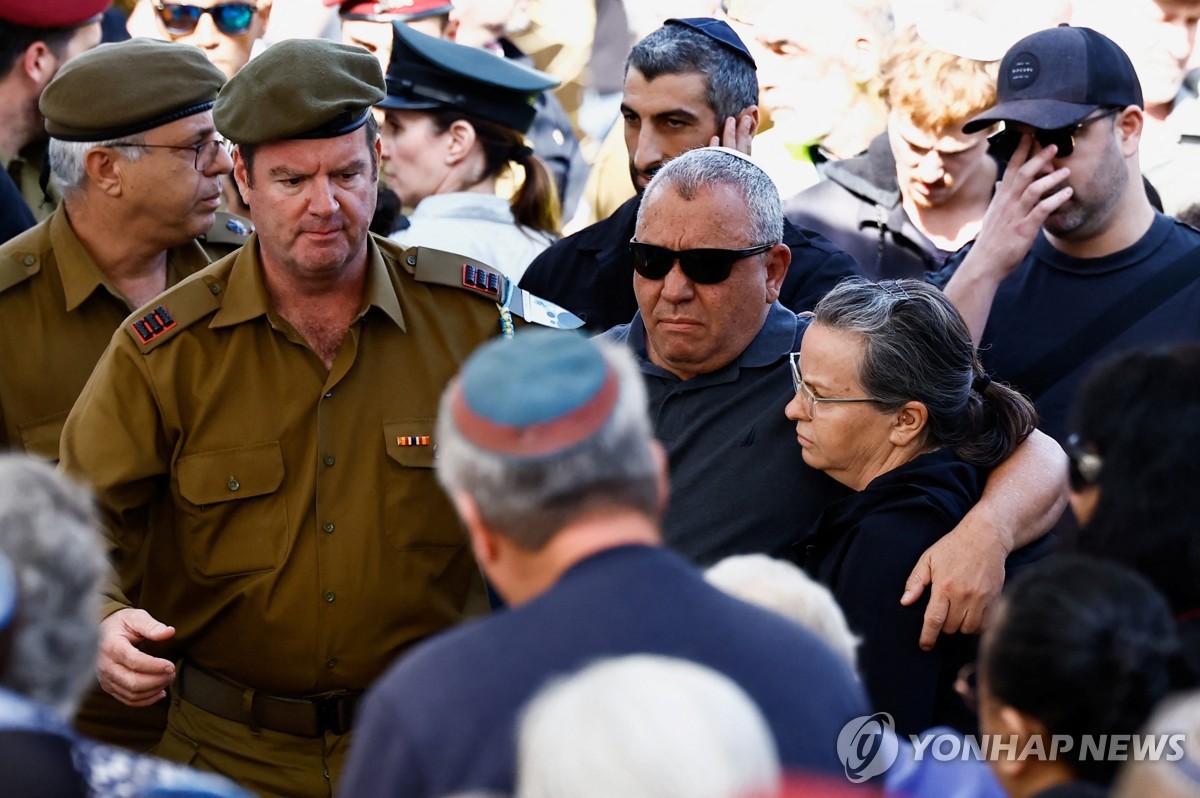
point(702, 266)
point(231, 19)
point(1005, 143)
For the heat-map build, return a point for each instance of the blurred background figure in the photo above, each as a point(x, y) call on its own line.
point(51, 564)
point(36, 39)
point(818, 75)
point(783, 587)
point(922, 188)
point(1177, 715)
point(1160, 38)
point(368, 23)
point(1077, 647)
point(229, 33)
point(1134, 433)
point(646, 726)
point(454, 120)
point(892, 402)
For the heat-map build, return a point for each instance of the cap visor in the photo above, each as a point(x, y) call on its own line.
point(1040, 113)
point(394, 103)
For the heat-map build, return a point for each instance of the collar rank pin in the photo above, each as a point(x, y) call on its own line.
point(412, 440)
point(153, 324)
point(481, 279)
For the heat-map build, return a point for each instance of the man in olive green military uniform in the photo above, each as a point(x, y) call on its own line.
point(36, 40)
point(125, 232)
point(261, 436)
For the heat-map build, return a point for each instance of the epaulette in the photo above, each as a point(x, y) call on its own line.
point(228, 229)
point(17, 267)
point(178, 308)
point(457, 271)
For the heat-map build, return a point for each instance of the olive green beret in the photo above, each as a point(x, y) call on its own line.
point(300, 89)
point(123, 88)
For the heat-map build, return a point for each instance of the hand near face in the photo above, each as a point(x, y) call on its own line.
point(1024, 198)
point(127, 674)
point(738, 131)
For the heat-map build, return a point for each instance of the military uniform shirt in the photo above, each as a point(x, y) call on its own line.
point(294, 532)
point(59, 313)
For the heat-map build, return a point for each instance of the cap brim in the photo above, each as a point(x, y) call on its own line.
point(393, 103)
point(1039, 113)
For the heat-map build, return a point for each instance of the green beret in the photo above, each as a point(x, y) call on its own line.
point(300, 89)
point(427, 73)
point(124, 88)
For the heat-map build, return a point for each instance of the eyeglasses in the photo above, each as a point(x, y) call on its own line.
point(702, 266)
point(181, 19)
point(800, 387)
point(206, 151)
point(1004, 144)
point(966, 684)
point(1084, 467)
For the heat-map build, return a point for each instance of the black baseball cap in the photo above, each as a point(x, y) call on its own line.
point(1054, 78)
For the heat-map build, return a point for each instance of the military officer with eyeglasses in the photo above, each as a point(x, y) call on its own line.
point(135, 150)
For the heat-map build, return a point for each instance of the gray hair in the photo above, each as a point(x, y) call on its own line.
point(67, 158)
point(645, 725)
point(529, 501)
point(916, 347)
point(785, 589)
point(730, 79)
point(700, 169)
point(48, 529)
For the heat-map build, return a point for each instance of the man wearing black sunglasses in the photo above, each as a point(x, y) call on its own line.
point(713, 341)
point(688, 84)
point(1072, 261)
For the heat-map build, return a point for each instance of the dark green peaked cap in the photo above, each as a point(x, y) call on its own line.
point(124, 88)
point(426, 73)
point(299, 89)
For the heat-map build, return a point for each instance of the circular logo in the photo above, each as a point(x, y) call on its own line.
point(867, 746)
point(1023, 71)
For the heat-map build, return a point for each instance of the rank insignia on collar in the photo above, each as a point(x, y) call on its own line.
point(153, 324)
point(481, 279)
point(412, 440)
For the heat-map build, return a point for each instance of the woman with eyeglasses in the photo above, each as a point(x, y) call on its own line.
point(1135, 467)
point(455, 119)
point(1080, 651)
point(892, 402)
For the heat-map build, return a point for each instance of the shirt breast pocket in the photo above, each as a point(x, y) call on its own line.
point(418, 513)
point(233, 517)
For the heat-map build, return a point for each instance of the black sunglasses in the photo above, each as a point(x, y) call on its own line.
point(231, 19)
point(1005, 143)
point(1084, 467)
point(702, 266)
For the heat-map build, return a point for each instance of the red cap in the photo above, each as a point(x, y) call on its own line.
point(57, 14)
point(389, 10)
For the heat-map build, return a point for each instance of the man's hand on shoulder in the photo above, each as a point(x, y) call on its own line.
point(965, 573)
point(127, 674)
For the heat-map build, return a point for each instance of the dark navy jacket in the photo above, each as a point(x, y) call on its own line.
point(442, 720)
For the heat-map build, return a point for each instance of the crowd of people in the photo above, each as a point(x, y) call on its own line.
point(572, 398)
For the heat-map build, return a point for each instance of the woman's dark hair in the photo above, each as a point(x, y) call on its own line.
point(917, 348)
point(1086, 647)
point(535, 205)
point(1140, 412)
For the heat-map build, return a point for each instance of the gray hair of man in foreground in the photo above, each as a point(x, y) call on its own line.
point(644, 725)
point(49, 530)
point(529, 500)
point(703, 168)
